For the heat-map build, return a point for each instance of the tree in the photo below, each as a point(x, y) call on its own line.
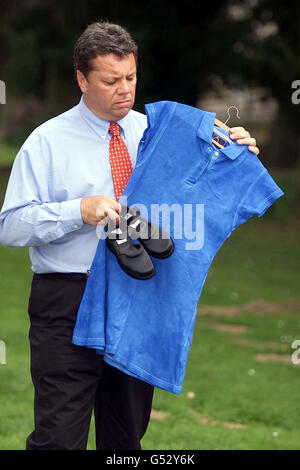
point(182, 45)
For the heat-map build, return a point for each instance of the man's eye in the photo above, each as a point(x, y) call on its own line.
point(110, 83)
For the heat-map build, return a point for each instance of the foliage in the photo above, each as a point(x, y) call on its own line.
point(183, 48)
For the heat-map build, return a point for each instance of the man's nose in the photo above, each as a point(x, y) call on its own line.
point(123, 89)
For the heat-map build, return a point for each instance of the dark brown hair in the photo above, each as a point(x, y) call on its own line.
point(101, 38)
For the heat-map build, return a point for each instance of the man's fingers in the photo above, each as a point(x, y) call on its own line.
point(106, 201)
point(242, 137)
point(101, 211)
point(104, 213)
point(236, 129)
point(247, 141)
point(253, 149)
point(115, 205)
point(95, 209)
point(251, 144)
point(113, 215)
point(239, 134)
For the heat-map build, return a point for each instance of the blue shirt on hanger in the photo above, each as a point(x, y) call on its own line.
point(199, 194)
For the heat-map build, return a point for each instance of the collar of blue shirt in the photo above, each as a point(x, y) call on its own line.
point(205, 132)
point(99, 125)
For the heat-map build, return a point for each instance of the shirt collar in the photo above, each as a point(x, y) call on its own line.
point(205, 132)
point(100, 126)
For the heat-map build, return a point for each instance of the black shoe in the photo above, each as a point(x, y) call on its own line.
point(153, 238)
point(132, 257)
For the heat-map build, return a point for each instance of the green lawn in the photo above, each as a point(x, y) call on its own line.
point(7, 154)
point(229, 384)
point(230, 399)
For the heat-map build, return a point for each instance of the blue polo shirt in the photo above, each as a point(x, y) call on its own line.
point(199, 194)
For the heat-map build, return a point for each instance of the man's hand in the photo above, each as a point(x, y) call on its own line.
point(244, 138)
point(98, 209)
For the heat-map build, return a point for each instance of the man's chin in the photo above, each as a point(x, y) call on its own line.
point(120, 113)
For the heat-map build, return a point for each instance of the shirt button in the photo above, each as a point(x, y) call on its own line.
point(75, 226)
point(210, 149)
point(216, 154)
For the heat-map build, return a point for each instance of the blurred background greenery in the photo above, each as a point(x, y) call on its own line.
point(241, 389)
point(187, 51)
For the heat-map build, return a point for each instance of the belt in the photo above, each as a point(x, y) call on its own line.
point(61, 275)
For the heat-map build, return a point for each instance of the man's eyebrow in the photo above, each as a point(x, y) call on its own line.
point(110, 76)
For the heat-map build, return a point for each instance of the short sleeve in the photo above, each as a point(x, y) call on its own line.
point(258, 197)
point(160, 112)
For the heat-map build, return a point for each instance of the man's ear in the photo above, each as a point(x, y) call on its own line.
point(81, 80)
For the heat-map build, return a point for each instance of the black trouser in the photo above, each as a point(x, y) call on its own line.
point(70, 381)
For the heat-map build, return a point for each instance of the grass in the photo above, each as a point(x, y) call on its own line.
point(237, 401)
point(7, 154)
point(228, 384)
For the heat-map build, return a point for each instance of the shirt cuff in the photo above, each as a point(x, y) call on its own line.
point(71, 215)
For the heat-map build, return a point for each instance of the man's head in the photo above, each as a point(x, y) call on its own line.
point(105, 63)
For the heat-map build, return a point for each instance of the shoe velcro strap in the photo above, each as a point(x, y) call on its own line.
point(123, 240)
point(135, 224)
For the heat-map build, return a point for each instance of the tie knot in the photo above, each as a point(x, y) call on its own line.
point(114, 128)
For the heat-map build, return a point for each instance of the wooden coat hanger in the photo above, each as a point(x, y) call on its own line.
point(223, 125)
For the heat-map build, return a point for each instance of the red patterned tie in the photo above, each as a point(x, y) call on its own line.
point(121, 167)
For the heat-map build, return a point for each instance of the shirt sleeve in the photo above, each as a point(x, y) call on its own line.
point(28, 216)
point(259, 196)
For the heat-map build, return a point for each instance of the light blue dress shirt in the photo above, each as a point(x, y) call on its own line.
point(63, 160)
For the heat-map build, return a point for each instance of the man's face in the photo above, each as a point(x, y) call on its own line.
point(109, 89)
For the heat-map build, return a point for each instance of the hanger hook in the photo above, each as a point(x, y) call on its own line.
point(237, 113)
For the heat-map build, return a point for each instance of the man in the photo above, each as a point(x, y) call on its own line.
point(63, 183)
